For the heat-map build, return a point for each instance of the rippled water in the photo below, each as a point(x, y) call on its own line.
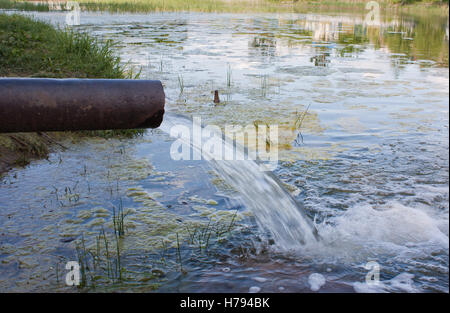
point(369, 163)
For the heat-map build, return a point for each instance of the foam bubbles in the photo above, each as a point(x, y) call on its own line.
point(393, 223)
point(260, 279)
point(400, 283)
point(316, 281)
point(254, 289)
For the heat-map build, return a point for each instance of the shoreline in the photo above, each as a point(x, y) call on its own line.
point(230, 6)
point(31, 48)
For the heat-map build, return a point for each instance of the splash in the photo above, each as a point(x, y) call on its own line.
point(274, 209)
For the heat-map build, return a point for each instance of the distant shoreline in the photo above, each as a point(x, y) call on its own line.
point(231, 6)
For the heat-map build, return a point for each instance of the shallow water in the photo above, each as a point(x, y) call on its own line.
point(370, 166)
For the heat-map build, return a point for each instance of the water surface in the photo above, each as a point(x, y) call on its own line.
point(369, 163)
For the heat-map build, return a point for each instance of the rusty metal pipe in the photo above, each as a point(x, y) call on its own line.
point(37, 104)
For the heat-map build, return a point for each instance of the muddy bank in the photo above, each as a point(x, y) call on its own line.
point(20, 148)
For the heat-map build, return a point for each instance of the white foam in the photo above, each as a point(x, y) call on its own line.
point(254, 289)
point(260, 279)
point(393, 223)
point(400, 283)
point(316, 281)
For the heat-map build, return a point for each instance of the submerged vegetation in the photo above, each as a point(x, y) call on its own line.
point(102, 258)
point(30, 48)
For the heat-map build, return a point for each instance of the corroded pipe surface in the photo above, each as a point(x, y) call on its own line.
point(36, 104)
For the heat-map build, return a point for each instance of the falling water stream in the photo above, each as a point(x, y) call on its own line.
point(274, 209)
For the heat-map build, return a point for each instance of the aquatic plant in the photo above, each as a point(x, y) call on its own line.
point(118, 220)
point(181, 83)
point(179, 254)
point(264, 85)
point(83, 262)
point(300, 117)
point(229, 72)
point(161, 64)
point(203, 234)
point(97, 264)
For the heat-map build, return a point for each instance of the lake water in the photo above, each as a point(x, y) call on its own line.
point(369, 162)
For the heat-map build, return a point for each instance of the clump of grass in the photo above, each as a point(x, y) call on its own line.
point(71, 195)
point(99, 263)
point(203, 235)
point(109, 268)
point(179, 254)
point(118, 220)
point(34, 48)
point(27, 144)
point(83, 262)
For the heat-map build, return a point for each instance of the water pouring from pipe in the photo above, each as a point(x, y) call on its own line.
point(274, 209)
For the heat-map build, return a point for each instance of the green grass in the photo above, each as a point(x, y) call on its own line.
point(36, 49)
point(118, 220)
point(99, 266)
point(30, 48)
point(22, 5)
point(217, 5)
